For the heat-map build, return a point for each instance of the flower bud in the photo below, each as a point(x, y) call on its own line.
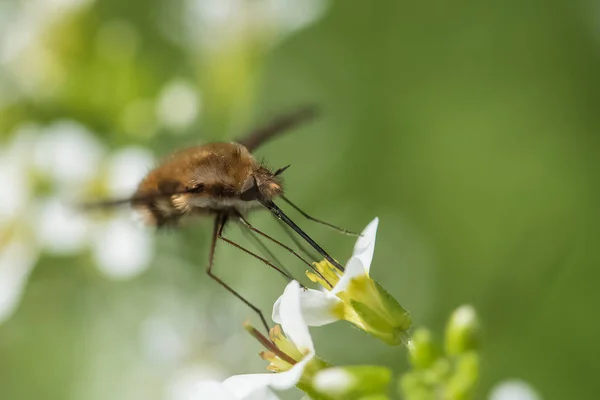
point(422, 350)
point(374, 310)
point(462, 383)
point(462, 331)
point(356, 382)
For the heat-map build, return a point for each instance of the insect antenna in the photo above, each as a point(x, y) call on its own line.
point(259, 136)
point(337, 228)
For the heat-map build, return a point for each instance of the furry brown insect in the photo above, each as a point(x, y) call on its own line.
point(225, 181)
point(210, 179)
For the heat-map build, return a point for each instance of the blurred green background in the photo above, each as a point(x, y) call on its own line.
point(470, 128)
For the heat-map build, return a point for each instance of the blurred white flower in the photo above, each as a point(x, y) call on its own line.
point(219, 24)
point(14, 177)
point(71, 157)
point(68, 153)
point(178, 105)
point(66, 157)
point(223, 391)
point(61, 230)
point(184, 383)
point(333, 381)
point(16, 262)
point(28, 65)
point(513, 389)
point(126, 167)
point(18, 247)
point(121, 250)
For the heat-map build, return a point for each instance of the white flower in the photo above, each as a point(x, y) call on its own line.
point(178, 105)
point(218, 24)
point(321, 307)
point(289, 357)
point(223, 391)
point(462, 331)
point(513, 389)
point(16, 262)
point(68, 153)
point(66, 158)
point(353, 295)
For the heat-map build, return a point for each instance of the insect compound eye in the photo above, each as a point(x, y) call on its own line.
point(249, 190)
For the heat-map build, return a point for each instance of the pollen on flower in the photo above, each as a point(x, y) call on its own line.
point(284, 344)
point(281, 352)
point(276, 364)
point(329, 274)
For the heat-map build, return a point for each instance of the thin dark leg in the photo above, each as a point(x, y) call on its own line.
point(261, 233)
point(253, 229)
point(265, 249)
point(337, 228)
point(217, 230)
point(264, 260)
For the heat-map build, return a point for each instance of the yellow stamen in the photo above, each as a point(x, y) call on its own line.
point(329, 274)
point(281, 353)
point(284, 344)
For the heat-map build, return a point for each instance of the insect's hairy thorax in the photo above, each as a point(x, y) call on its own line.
point(212, 175)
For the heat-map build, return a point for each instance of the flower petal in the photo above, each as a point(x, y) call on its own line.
point(318, 307)
point(212, 390)
point(68, 153)
point(246, 385)
point(292, 320)
point(126, 169)
point(122, 250)
point(60, 230)
point(354, 268)
point(365, 245)
point(17, 260)
point(262, 394)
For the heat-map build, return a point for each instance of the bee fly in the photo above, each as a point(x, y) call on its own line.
point(223, 181)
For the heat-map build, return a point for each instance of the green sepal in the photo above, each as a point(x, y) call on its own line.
point(379, 313)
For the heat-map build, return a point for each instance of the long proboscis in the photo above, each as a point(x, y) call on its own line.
point(281, 215)
point(288, 121)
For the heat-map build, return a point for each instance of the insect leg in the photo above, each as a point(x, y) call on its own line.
point(217, 230)
point(337, 228)
point(265, 249)
point(264, 260)
point(253, 229)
